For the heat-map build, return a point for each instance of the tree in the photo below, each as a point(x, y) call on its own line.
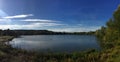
point(113, 27)
point(110, 35)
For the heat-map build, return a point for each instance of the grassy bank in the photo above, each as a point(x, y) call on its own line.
point(9, 54)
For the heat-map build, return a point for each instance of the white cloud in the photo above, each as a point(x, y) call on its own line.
point(46, 24)
point(77, 29)
point(4, 20)
point(51, 25)
point(1, 20)
point(39, 20)
point(17, 16)
point(29, 26)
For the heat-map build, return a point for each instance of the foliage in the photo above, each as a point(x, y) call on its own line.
point(110, 37)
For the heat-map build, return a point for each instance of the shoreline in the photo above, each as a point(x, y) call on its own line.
point(6, 38)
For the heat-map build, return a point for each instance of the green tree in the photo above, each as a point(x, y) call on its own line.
point(113, 27)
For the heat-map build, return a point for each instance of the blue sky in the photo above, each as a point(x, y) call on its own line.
point(56, 15)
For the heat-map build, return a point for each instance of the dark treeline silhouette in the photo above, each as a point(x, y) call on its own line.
point(40, 32)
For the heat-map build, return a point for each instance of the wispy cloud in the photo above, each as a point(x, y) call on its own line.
point(5, 20)
point(29, 26)
point(1, 20)
point(49, 26)
point(52, 25)
point(39, 20)
point(77, 29)
point(17, 16)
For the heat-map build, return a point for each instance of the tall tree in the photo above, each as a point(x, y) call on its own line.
point(113, 27)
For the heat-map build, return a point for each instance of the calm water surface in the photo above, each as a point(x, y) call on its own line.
point(56, 43)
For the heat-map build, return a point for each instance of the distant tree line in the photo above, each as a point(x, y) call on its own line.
point(40, 32)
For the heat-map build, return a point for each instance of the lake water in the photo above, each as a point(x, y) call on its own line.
point(56, 43)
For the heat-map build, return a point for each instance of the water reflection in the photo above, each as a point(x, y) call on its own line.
point(56, 43)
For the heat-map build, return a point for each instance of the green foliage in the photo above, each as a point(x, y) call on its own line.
point(100, 33)
point(111, 38)
point(113, 27)
point(111, 33)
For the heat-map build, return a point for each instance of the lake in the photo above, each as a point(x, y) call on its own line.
point(56, 43)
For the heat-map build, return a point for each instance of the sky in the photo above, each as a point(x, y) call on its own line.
point(56, 15)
